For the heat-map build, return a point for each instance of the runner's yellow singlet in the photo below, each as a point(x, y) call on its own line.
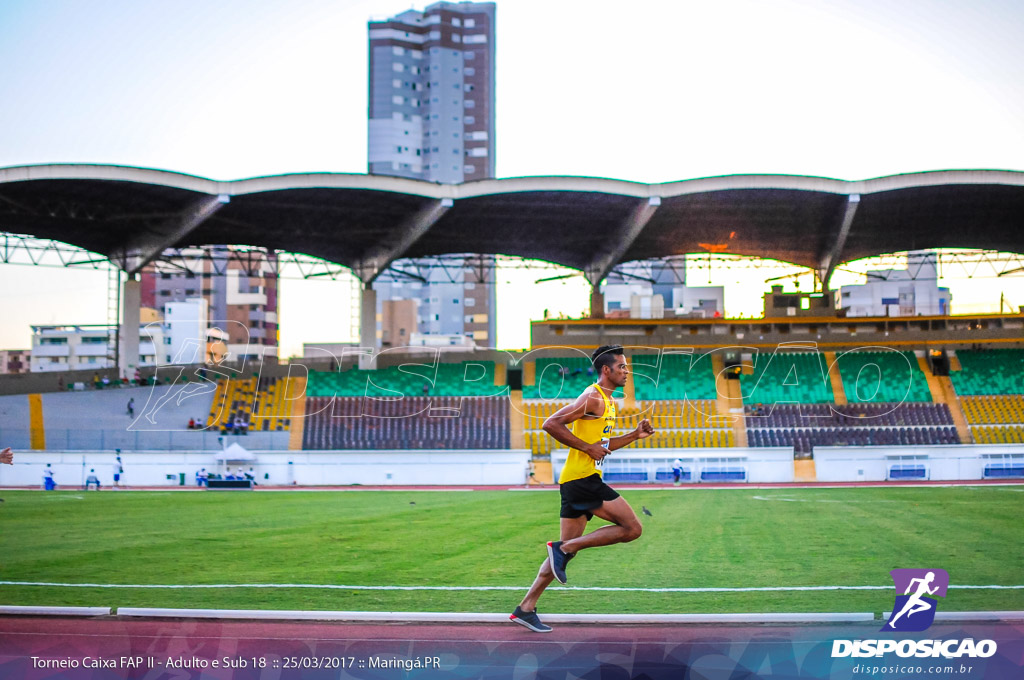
point(579, 465)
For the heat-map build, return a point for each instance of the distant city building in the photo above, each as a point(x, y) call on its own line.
point(913, 291)
point(706, 302)
point(449, 298)
point(79, 348)
point(431, 100)
point(14, 361)
point(655, 289)
point(180, 335)
point(243, 306)
point(329, 350)
point(398, 322)
point(188, 337)
point(779, 303)
point(443, 343)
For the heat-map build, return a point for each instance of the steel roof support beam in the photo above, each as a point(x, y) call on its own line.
point(145, 248)
point(375, 261)
point(603, 264)
point(829, 262)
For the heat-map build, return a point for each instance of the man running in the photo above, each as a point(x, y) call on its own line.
point(584, 493)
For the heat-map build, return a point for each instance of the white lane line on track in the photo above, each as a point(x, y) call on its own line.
point(318, 586)
point(448, 617)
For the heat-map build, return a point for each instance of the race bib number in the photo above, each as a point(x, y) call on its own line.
point(599, 464)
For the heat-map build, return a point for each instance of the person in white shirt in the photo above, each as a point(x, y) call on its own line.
point(677, 471)
point(92, 479)
point(118, 472)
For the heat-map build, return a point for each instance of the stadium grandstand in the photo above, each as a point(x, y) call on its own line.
point(730, 398)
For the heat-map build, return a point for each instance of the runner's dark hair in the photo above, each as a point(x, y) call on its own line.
point(605, 356)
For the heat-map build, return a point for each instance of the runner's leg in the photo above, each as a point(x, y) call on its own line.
point(570, 528)
point(626, 527)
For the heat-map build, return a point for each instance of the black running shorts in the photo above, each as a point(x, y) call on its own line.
point(580, 496)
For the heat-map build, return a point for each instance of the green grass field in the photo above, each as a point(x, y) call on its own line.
point(696, 538)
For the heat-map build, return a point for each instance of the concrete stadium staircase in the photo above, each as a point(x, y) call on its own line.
point(836, 379)
point(37, 429)
point(942, 392)
point(730, 397)
point(297, 393)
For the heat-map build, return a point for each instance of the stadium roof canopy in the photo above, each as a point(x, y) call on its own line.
point(365, 222)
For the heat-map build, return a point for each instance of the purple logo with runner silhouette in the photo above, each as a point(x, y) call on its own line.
point(915, 606)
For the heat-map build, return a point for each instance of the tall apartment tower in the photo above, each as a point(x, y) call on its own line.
point(431, 117)
point(431, 105)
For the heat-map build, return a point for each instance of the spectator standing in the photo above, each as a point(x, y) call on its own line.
point(677, 471)
point(118, 471)
point(96, 380)
point(131, 407)
point(191, 423)
point(48, 482)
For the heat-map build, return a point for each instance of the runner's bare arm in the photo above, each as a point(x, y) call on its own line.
point(557, 425)
point(643, 431)
point(6, 456)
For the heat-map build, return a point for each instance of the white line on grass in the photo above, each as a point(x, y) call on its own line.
point(318, 586)
point(826, 500)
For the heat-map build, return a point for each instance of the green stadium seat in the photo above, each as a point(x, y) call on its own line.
point(989, 372)
point(680, 376)
point(787, 377)
point(882, 377)
point(562, 378)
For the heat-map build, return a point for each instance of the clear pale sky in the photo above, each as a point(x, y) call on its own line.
point(646, 91)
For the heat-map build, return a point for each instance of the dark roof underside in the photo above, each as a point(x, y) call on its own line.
point(567, 227)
